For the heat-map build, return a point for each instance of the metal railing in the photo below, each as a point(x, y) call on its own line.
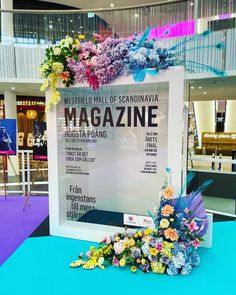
point(26, 34)
point(26, 174)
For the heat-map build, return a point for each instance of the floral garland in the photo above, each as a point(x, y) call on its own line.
point(101, 61)
point(180, 223)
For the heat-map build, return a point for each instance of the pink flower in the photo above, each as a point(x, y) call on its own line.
point(115, 261)
point(159, 246)
point(186, 210)
point(196, 243)
point(192, 225)
point(88, 254)
point(107, 240)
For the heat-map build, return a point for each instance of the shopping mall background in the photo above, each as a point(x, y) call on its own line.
point(29, 27)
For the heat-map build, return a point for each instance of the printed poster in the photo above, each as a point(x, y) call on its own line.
point(112, 147)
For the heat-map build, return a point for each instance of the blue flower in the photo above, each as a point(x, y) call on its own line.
point(178, 260)
point(145, 248)
point(172, 270)
point(186, 270)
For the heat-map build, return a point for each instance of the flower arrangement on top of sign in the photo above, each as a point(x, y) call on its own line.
point(101, 61)
point(180, 223)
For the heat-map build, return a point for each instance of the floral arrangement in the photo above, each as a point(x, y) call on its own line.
point(101, 61)
point(180, 223)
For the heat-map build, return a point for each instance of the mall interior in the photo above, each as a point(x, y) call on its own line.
point(29, 27)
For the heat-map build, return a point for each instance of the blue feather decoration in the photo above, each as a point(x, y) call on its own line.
point(139, 75)
point(204, 34)
point(144, 37)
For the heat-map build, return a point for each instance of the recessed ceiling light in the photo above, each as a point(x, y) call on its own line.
point(81, 27)
point(192, 87)
point(136, 15)
point(71, 21)
point(200, 87)
point(204, 92)
point(191, 3)
point(50, 26)
point(111, 5)
point(12, 88)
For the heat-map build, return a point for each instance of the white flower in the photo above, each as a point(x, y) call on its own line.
point(67, 41)
point(57, 51)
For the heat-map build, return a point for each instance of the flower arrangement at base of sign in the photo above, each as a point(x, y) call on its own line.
point(99, 62)
point(180, 223)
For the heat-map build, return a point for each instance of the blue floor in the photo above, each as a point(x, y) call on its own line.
point(40, 266)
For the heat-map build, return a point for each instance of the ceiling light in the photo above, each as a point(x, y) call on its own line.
point(191, 3)
point(81, 27)
point(50, 26)
point(204, 92)
point(192, 87)
point(59, 19)
point(111, 5)
point(71, 21)
point(12, 88)
point(200, 87)
point(136, 15)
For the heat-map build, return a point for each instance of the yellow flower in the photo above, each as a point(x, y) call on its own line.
point(77, 263)
point(90, 264)
point(138, 260)
point(136, 235)
point(117, 239)
point(133, 268)
point(76, 41)
point(57, 67)
point(122, 262)
point(164, 223)
point(153, 251)
point(81, 37)
point(44, 85)
point(47, 108)
point(132, 242)
point(45, 67)
point(147, 239)
point(157, 267)
point(147, 231)
point(55, 97)
point(143, 261)
point(126, 244)
point(140, 233)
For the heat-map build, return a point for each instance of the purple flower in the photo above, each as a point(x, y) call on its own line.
point(136, 252)
point(144, 267)
point(115, 261)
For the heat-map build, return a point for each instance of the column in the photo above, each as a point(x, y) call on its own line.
point(11, 113)
point(7, 22)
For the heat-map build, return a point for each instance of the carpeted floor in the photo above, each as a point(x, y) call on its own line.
point(40, 266)
point(17, 225)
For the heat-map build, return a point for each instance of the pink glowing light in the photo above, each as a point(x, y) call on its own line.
point(185, 28)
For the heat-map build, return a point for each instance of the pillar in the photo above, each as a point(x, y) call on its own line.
point(11, 113)
point(7, 22)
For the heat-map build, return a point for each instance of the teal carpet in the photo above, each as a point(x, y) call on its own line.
point(40, 266)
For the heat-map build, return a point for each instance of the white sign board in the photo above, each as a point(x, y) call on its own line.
point(108, 151)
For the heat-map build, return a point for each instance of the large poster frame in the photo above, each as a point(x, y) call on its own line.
point(95, 232)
